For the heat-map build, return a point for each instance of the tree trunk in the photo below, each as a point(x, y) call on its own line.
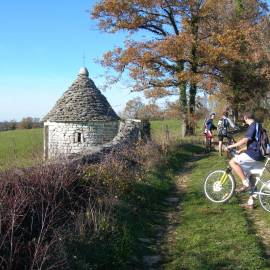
point(187, 109)
point(183, 108)
point(194, 66)
point(235, 112)
point(192, 103)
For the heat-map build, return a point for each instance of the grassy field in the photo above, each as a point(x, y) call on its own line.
point(20, 148)
point(215, 236)
point(165, 132)
point(159, 127)
point(208, 236)
point(212, 236)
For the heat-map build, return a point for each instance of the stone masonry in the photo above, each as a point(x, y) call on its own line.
point(62, 138)
point(81, 120)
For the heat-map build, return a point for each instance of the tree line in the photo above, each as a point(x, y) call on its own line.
point(25, 123)
point(181, 47)
point(137, 109)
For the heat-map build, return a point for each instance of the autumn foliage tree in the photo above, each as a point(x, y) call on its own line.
point(133, 107)
point(244, 80)
point(191, 45)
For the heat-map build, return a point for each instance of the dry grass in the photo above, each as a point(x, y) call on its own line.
point(47, 211)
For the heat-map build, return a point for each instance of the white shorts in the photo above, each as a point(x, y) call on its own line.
point(247, 163)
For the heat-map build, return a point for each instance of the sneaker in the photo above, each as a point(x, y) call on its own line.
point(242, 189)
point(247, 206)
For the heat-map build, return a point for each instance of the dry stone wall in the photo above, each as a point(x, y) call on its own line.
point(64, 139)
point(129, 132)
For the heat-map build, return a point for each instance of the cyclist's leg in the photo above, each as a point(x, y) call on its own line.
point(220, 144)
point(210, 134)
point(241, 165)
point(206, 143)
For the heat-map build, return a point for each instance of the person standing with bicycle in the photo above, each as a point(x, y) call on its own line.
point(222, 129)
point(249, 157)
point(208, 128)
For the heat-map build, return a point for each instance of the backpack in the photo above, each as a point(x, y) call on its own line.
point(262, 139)
point(222, 127)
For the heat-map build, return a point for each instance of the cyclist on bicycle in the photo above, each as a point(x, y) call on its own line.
point(248, 157)
point(223, 124)
point(209, 126)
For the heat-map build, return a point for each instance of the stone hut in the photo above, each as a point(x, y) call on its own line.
point(81, 120)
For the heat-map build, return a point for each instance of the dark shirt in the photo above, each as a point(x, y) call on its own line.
point(209, 124)
point(253, 147)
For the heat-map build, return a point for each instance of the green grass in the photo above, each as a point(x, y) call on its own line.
point(142, 208)
point(210, 236)
point(20, 148)
point(159, 126)
point(135, 218)
point(214, 236)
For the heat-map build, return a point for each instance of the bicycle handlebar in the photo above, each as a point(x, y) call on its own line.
point(234, 131)
point(232, 151)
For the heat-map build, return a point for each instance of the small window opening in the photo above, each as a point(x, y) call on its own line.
point(78, 137)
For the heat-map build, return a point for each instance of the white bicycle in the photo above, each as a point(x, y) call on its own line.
point(219, 185)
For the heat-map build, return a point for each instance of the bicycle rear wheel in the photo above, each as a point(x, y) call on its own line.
point(264, 196)
point(219, 186)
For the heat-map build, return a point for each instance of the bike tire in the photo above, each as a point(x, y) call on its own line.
point(264, 196)
point(216, 192)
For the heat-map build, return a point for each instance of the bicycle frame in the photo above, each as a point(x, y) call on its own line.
point(224, 177)
point(219, 185)
point(259, 180)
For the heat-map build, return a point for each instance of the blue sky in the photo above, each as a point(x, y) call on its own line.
point(41, 48)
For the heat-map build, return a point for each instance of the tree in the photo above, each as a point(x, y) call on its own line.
point(26, 123)
point(171, 110)
point(189, 46)
point(133, 107)
point(12, 124)
point(244, 80)
point(150, 112)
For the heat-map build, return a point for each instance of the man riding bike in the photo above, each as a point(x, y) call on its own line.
point(248, 157)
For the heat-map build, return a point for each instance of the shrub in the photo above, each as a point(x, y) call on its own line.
point(52, 216)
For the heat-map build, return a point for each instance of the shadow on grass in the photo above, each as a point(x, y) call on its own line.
point(253, 229)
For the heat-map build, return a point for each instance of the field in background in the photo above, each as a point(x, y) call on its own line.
point(159, 127)
point(166, 131)
point(20, 148)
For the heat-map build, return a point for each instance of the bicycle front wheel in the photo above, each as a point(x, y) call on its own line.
point(264, 196)
point(219, 186)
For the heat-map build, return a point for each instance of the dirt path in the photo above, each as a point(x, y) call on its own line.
point(157, 255)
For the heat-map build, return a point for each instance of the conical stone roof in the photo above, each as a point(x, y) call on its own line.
point(82, 102)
